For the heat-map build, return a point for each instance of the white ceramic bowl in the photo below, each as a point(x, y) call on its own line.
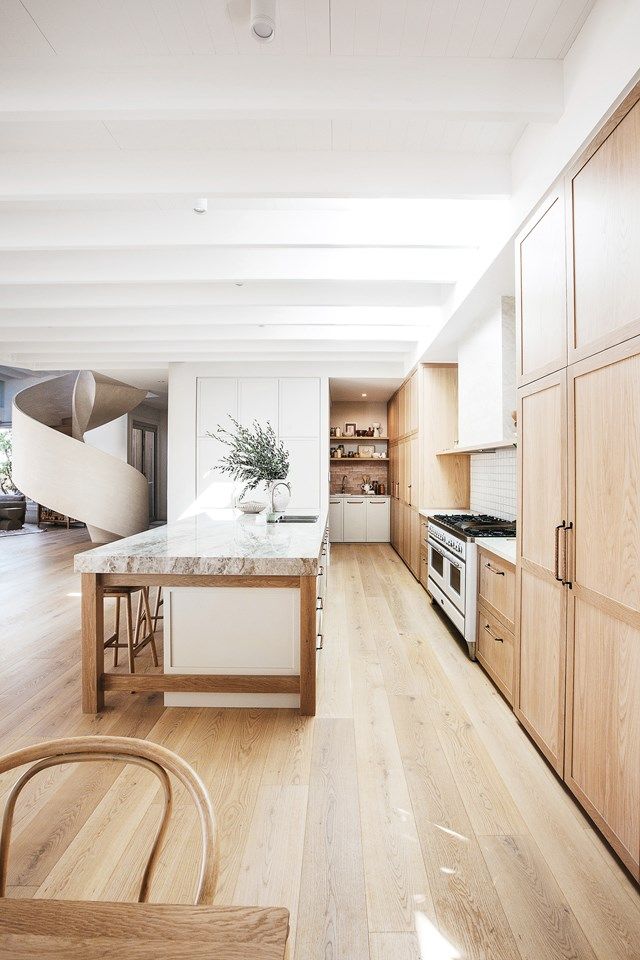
point(251, 506)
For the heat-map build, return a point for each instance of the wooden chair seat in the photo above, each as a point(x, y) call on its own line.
point(59, 930)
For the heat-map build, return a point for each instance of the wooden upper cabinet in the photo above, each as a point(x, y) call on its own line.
point(402, 410)
point(541, 602)
point(392, 417)
point(604, 207)
point(413, 404)
point(541, 293)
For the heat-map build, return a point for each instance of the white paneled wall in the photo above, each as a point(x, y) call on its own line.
point(290, 404)
point(493, 483)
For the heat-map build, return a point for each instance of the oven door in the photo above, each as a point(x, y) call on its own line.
point(448, 573)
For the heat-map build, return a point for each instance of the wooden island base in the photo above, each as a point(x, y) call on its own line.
point(95, 681)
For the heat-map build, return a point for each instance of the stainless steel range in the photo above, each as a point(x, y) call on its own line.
point(453, 565)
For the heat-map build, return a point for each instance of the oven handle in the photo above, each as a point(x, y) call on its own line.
point(449, 557)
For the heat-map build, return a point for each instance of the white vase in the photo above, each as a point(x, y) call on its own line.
point(280, 495)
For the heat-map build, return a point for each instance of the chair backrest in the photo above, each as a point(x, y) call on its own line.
point(143, 753)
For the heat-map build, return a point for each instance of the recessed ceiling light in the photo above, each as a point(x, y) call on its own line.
point(364, 394)
point(200, 206)
point(263, 20)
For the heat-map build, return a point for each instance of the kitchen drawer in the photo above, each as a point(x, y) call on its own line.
point(497, 587)
point(424, 567)
point(494, 650)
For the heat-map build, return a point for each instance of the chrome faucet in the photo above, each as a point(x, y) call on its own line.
point(344, 483)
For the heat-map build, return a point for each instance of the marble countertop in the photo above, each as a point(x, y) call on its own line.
point(223, 543)
point(366, 496)
point(499, 547)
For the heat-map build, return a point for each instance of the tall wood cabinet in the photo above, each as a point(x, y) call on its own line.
point(422, 419)
point(578, 575)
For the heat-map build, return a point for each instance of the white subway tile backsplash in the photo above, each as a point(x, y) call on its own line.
point(493, 483)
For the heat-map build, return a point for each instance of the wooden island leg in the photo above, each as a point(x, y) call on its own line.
point(92, 643)
point(308, 602)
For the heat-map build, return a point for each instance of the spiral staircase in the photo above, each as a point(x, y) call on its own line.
point(53, 466)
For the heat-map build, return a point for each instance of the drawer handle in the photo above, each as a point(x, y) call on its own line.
point(498, 573)
point(497, 639)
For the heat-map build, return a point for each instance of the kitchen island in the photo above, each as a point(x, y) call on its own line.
point(243, 611)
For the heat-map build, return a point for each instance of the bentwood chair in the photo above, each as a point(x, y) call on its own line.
point(159, 760)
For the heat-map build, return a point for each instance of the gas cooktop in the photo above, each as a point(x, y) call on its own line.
point(470, 525)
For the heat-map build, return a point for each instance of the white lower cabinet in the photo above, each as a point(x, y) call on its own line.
point(355, 520)
point(359, 519)
point(336, 529)
point(378, 520)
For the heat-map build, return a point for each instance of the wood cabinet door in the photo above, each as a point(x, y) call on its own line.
point(414, 542)
point(541, 292)
point(414, 472)
point(393, 470)
point(413, 400)
point(395, 524)
point(402, 470)
point(541, 601)
point(392, 417)
point(603, 663)
point(604, 221)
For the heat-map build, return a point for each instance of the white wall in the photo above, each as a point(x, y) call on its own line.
point(600, 65)
point(112, 438)
point(183, 430)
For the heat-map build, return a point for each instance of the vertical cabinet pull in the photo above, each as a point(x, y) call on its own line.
point(557, 552)
point(562, 577)
point(565, 579)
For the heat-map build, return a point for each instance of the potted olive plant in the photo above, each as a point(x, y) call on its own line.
point(256, 456)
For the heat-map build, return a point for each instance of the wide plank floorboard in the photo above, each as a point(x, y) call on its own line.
point(412, 819)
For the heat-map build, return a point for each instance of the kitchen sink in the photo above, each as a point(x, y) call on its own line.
point(291, 518)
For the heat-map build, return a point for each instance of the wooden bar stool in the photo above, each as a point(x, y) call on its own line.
point(135, 643)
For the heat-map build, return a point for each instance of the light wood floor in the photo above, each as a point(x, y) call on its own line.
point(413, 809)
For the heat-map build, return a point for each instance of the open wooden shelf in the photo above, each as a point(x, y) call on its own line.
point(358, 459)
point(359, 439)
point(484, 448)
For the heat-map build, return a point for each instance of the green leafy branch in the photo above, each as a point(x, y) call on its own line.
point(255, 454)
point(6, 480)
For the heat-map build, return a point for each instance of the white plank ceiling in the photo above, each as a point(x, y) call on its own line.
point(357, 168)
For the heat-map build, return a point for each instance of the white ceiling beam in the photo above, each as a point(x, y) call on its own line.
point(390, 364)
point(251, 173)
point(257, 351)
point(59, 323)
point(171, 350)
point(456, 226)
point(194, 296)
point(238, 265)
point(111, 322)
point(14, 340)
point(285, 86)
